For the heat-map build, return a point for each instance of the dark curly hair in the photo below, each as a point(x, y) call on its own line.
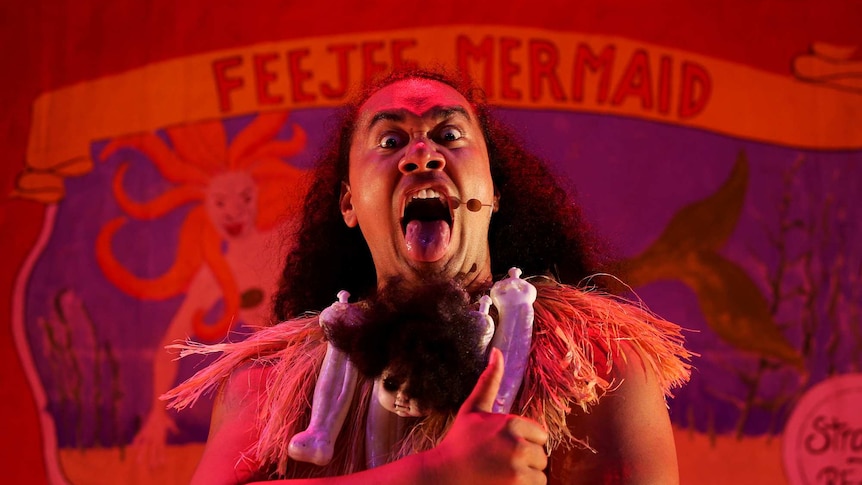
point(538, 227)
point(423, 336)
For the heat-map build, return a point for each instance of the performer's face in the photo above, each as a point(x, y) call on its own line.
point(416, 150)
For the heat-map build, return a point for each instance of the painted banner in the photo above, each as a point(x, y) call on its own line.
point(730, 194)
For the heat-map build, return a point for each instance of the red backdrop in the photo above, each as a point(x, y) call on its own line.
point(51, 45)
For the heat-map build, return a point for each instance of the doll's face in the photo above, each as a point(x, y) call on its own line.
point(393, 398)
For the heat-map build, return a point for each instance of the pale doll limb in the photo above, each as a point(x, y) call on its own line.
point(381, 430)
point(484, 321)
point(514, 299)
point(333, 392)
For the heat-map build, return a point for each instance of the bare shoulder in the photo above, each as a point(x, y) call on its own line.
point(629, 430)
point(244, 387)
point(233, 428)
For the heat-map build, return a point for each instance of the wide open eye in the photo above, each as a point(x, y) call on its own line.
point(449, 134)
point(391, 140)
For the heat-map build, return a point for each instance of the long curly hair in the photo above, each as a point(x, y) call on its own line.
point(539, 227)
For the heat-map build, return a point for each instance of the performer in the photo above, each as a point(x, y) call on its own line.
point(421, 184)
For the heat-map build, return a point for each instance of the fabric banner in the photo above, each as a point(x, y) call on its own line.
point(729, 192)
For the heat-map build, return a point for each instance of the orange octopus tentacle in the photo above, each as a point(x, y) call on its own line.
point(278, 199)
point(201, 144)
point(275, 209)
point(282, 149)
point(172, 167)
point(172, 282)
point(156, 207)
point(260, 131)
point(266, 168)
point(230, 291)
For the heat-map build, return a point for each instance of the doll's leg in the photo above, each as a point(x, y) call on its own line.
point(514, 299)
point(333, 392)
point(332, 395)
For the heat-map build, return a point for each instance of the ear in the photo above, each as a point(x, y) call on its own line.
point(346, 204)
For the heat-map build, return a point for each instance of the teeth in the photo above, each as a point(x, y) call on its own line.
point(427, 194)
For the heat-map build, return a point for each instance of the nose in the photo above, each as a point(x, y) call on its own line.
point(421, 156)
point(234, 209)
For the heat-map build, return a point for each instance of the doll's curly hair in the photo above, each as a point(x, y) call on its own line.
point(538, 227)
point(423, 336)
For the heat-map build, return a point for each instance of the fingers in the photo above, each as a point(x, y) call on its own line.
point(528, 430)
point(498, 443)
point(534, 457)
point(483, 395)
point(529, 439)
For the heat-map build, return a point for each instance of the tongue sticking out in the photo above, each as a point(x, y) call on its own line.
point(427, 240)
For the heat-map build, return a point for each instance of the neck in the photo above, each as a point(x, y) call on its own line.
point(475, 280)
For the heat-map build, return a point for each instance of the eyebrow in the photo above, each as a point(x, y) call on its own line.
point(435, 112)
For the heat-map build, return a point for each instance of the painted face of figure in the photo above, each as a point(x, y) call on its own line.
point(417, 157)
point(393, 398)
point(231, 203)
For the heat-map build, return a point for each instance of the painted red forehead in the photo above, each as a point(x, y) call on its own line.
point(415, 95)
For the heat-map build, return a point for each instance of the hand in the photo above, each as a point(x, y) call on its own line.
point(482, 447)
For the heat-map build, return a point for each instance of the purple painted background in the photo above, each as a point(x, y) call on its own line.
point(632, 177)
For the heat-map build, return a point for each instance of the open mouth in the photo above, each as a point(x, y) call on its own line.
point(233, 228)
point(426, 206)
point(427, 225)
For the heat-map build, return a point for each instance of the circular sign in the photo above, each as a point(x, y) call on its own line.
point(822, 442)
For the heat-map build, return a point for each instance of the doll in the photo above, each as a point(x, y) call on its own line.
point(424, 347)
